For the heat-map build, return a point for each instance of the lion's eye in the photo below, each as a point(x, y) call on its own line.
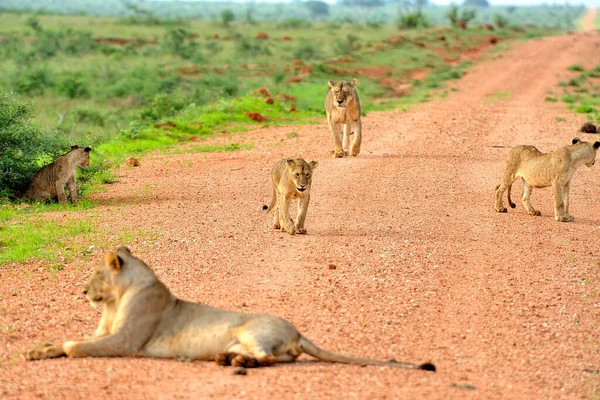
point(307, 175)
point(297, 174)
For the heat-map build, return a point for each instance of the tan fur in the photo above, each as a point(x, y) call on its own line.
point(292, 179)
point(541, 170)
point(142, 318)
point(343, 113)
point(51, 179)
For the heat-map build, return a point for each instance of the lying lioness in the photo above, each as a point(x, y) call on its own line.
point(142, 318)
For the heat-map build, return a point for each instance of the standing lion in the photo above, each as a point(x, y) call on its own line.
point(540, 170)
point(51, 179)
point(343, 111)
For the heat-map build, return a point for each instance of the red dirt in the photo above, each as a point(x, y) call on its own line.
point(425, 270)
point(262, 35)
point(263, 91)
point(256, 117)
point(285, 38)
point(168, 124)
point(132, 162)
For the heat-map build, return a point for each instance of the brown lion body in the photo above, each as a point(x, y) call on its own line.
point(142, 318)
point(292, 180)
point(343, 114)
point(51, 179)
point(540, 170)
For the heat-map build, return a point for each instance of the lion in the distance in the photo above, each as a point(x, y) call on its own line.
point(51, 179)
point(141, 318)
point(541, 170)
point(292, 179)
point(343, 112)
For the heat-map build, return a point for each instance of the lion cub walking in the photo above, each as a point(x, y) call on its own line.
point(541, 170)
point(292, 179)
point(343, 110)
point(51, 179)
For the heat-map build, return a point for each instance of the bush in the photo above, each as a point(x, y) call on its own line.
point(501, 21)
point(456, 15)
point(33, 80)
point(89, 116)
point(162, 106)
point(227, 16)
point(24, 148)
point(293, 23)
point(178, 41)
point(349, 45)
point(306, 51)
point(412, 20)
point(72, 86)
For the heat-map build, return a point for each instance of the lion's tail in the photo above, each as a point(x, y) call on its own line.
point(267, 208)
point(512, 205)
point(312, 349)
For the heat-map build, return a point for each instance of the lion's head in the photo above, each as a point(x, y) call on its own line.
point(589, 155)
point(301, 172)
point(343, 92)
point(82, 155)
point(114, 274)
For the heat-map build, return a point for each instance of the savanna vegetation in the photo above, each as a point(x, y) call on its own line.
point(146, 76)
point(581, 92)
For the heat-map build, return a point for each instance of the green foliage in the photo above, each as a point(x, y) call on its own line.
point(576, 67)
point(349, 45)
point(293, 23)
point(476, 3)
point(72, 86)
point(33, 80)
point(412, 20)
point(179, 41)
point(306, 51)
point(23, 147)
point(227, 17)
point(501, 21)
point(162, 106)
point(89, 116)
point(455, 14)
point(317, 8)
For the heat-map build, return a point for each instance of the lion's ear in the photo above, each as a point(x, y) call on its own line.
point(74, 146)
point(88, 149)
point(354, 82)
point(290, 163)
point(596, 145)
point(576, 140)
point(331, 83)
point(113, 261)
point(313, 164)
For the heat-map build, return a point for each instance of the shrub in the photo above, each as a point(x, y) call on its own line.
point(253, 47)
point(456, 15)
point(24, 148)
point(162, 105)
point(306, 51)
point(501, 21)
point(73, 86)
point(178, 41)
point(33, 80)
point(412, 20)
point(227, 16)
point(293, 23)
point(89, 116)
point(349, 45)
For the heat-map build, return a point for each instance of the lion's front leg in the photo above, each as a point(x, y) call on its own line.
point(336, 131)
point(72, 187)
point(356, 142)
point(285, 220)
point(559, 203)
point(47, 351)
point(346, 139)
point(302, 209)
point(566, 194)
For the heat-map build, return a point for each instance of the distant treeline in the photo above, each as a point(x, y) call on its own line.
point(373, 11)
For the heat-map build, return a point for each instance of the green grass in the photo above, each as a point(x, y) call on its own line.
point(494, 97)
point(582, 93)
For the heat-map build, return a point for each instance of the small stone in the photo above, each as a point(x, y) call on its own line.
point(332, 266)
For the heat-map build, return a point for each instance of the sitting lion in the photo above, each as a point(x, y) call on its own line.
point(142, 318)
point(291, 180)
point(541, 170)
point(343, 108)
point(51, 179)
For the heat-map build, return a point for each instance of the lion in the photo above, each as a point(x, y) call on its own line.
point(51, 179)
point(343, 108)
point(292, 179)
point(541, 170)
point(141, 318)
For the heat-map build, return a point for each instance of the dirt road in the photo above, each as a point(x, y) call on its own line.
point(506, 305)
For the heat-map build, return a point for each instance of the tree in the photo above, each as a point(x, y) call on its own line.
point(317, 8)
point(476, 3)
point(227, 16)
